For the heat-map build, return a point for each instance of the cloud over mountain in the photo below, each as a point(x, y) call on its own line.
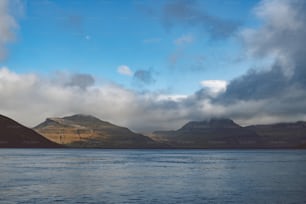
point(280, 87)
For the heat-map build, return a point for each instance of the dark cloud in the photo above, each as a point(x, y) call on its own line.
point(81, 80)
point(279, 38)
point(144, 77)
point(257, 85)
point(187, 13)
point(277, 92)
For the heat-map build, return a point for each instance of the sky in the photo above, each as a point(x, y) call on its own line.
point(153, 65)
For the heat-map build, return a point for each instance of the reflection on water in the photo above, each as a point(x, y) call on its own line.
point(152, 176)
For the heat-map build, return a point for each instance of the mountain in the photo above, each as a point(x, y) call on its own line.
point(15, 135)
point(284, 135)
point(90, 132)
point(225, 133)
point(214, 133)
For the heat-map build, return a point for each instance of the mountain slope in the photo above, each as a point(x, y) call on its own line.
point(214, 133)
point(289, 135)
point(88, 131)
point(224, 133)
point(15, 135)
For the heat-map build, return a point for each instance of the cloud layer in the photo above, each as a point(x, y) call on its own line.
point(30, 99)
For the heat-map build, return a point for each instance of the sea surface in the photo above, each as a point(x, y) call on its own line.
point(152, 176)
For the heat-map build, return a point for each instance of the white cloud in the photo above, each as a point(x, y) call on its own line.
point(171, 97)
point(184, 39)
point(30, 99)
point(279, 14)
point(214, 87)
point(124, 70)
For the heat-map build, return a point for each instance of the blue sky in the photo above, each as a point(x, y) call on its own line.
point(97, 36)
point(152, 65)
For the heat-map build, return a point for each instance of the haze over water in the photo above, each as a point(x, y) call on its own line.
point(152, 176)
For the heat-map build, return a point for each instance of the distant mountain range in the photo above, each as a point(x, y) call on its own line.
point(286, 135)
point(224, 133)
point(15, 135)
point(85, 131)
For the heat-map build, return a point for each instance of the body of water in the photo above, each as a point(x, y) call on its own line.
point(152, 176)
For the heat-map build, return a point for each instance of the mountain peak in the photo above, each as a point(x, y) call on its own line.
point(88, 131)
point(222, 122)
point(211, 123)
point(78, 117)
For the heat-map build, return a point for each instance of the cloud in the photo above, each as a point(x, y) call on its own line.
point(214, 87)
point(280, 39)
point(183, 40)
point(187, 13)
point(144, 77)
point(124, 70)
point(25, 95)
point(8, 24)
point(82, 81)
point(281, 34)
point(269, 94)
point(171, 97)
point(275, 92)
point(179, 54)
point(30, 99)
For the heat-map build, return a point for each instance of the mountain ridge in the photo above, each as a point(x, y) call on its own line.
point(90, 132)
point(15, 135)
point(87, 131)
point(225, 133)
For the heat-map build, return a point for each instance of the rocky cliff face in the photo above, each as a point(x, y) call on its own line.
point(91, 132)
point(15, 135)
